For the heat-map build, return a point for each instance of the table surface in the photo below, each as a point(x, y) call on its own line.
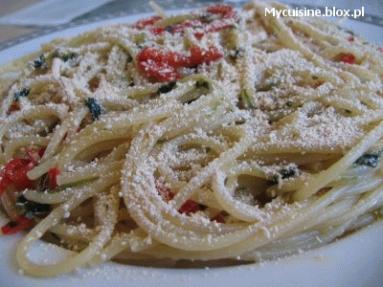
point(10, 35)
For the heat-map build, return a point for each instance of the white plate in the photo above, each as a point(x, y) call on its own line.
point(356, 260)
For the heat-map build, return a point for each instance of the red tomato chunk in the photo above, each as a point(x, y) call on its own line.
point(52, 177)
point(20, 224)
point(141, 24)
point(226, 11)
point(190, 206)
point(347, 58)
point(162, 66)
point(15, 171)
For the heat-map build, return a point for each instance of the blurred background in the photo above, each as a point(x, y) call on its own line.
point(25, 19)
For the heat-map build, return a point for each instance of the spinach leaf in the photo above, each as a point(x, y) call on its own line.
point(94, 108)
point(24, 92)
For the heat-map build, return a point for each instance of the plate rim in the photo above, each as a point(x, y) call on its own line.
point(45, 30)
point(9, 246)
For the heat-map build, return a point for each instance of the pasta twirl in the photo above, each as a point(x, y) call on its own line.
point(217, 137)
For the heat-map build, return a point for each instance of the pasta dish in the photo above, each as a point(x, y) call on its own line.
point(219, 136)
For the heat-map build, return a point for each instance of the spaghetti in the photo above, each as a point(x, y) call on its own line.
point(215, 135)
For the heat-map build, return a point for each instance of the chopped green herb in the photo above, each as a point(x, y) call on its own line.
point(347, 111)
point(289, 104)
point(68, 56)
point(314, 77)
point(40, 62)
point(65, 56)
point(284, 173)
point(266, 87)
point(191, 100)
point(368, 159)
point(94, 108)
point(202, 84)
point(166, 88)
point(139, 39)
point(288, 172)
point(24, 92)
point(30, 208)
point(129, 58)
point(245, 100)
point(237, 53)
